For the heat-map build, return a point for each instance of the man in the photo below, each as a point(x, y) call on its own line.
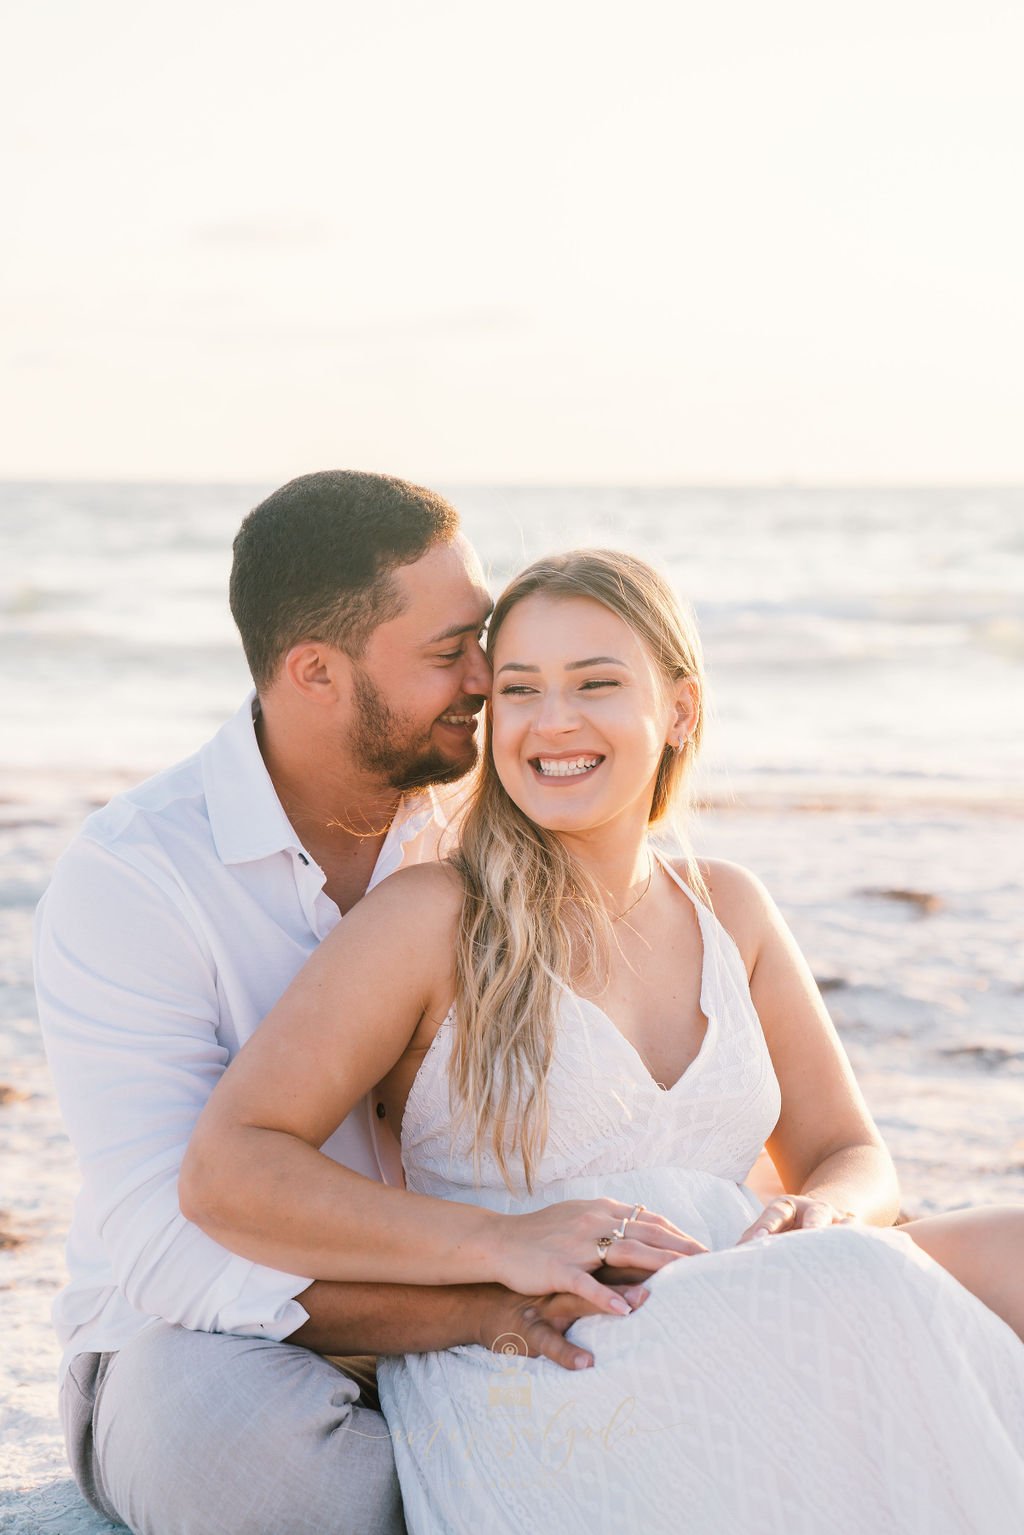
point(195, 1395)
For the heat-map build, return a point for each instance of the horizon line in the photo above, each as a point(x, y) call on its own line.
point(504, 483)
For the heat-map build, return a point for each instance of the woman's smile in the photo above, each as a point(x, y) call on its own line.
point(565, 768)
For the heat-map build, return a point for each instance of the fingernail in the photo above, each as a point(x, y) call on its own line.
point(581, 1362)
point(637, 1295)
point(619, 1304)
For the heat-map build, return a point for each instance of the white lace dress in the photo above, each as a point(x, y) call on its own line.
point(813, 1383)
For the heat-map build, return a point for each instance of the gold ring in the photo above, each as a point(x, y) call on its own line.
point(603, 1244)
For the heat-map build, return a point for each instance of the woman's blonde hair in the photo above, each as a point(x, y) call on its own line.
point(532, 919)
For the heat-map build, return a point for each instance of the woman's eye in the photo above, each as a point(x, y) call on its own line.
point(518, 689)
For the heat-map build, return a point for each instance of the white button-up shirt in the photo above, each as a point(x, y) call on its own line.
point(173, 924)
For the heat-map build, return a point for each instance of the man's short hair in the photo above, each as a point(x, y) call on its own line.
point(314, 561)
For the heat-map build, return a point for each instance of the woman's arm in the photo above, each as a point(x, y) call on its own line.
point(255, 1179)
point(826, 1146)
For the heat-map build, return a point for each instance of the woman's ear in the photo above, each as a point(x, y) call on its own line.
point(686, 713)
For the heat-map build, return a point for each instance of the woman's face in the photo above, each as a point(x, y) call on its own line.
point(581, 714)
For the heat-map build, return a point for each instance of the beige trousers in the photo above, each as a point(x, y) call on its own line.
point(190, 1433)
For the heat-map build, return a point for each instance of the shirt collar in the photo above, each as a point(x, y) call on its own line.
point(417, 813)
point(248, 820)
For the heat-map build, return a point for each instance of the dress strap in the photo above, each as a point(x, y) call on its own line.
point(673, 874)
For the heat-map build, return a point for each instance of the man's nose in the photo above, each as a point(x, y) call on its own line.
point(478, 678)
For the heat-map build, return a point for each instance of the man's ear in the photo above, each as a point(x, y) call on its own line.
point(317, 672)
point(686, 712)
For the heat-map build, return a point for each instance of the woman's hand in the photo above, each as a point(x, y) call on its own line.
point(795, 1212)
point(557, 1249)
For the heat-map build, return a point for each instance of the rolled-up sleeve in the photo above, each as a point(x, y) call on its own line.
point(127, 993)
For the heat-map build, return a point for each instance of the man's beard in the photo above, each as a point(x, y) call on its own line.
point(383, 743)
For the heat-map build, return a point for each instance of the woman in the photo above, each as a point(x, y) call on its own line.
point(587, 1044)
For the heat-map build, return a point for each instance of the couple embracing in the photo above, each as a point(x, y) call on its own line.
point(508, 1065)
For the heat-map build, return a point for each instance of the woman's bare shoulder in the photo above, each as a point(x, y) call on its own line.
point(428, 893)
point(739, 900)
point(406, 924)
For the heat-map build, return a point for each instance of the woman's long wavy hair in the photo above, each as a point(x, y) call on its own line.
point(532, 919)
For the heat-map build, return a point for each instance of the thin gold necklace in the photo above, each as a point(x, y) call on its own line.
point(634, 904)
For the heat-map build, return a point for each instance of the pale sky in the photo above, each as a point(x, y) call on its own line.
point(541, 242)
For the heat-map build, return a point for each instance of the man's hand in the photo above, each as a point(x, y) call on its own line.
point(535, 1325)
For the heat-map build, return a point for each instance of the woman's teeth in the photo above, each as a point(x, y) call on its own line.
point(566, 769)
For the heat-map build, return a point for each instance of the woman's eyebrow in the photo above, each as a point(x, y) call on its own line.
point(570, 666)
point(576, 666)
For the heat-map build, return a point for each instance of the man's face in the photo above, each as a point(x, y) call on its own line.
point(423, 678)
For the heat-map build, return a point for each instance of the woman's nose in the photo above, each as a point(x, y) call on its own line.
point(555, 714)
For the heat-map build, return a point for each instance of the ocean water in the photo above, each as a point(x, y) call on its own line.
point(865, 654)
point(859, 643)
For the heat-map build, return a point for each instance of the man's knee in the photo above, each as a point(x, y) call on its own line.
point(200, 1431)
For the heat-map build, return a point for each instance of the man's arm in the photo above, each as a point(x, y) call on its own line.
point(354, 1318)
